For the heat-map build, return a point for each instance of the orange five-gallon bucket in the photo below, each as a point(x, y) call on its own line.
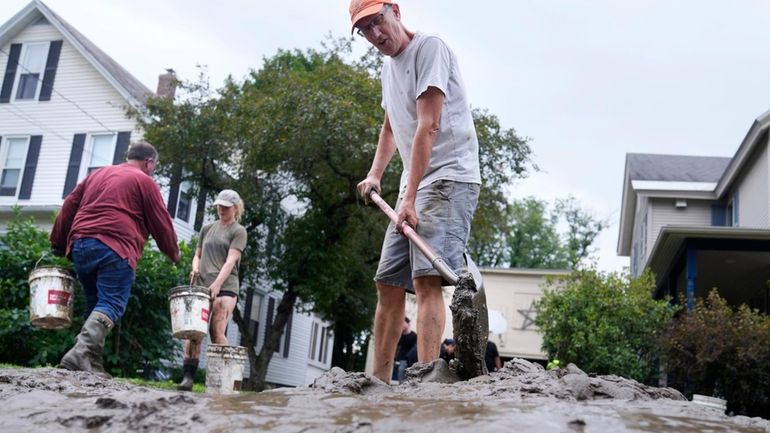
point(51, 294)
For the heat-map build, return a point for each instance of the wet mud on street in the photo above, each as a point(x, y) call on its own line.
point(522, 397)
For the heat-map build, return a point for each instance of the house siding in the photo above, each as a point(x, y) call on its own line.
point(294, 370)
point(58, 120)
point(664, 213)
point(753, 211)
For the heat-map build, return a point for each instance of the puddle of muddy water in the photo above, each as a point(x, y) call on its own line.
point(297, 411)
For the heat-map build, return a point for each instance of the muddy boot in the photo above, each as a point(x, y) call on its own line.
point(86, 355)
point(190, 367)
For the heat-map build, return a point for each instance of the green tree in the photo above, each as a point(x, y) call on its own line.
point(530, 233)
point(606, 323)
point(504, 157)
point(188, 132)
point(141, 340)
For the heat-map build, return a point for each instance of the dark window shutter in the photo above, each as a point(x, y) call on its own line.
point(50, 70)
point(76, 155)
point(10, 73)
point(718, 215)
point(269, 318)
point(25, 192)
point(287, 336)
point(121, 147)
point(173, 194)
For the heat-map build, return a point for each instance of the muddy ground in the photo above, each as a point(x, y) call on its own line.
point(522, 398)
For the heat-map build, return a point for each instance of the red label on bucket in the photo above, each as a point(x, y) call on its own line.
point(58, 297)
point(204, 314)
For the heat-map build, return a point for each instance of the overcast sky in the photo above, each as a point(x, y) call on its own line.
point(587, 81)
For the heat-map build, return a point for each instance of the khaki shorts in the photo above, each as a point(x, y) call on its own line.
point(444, 210)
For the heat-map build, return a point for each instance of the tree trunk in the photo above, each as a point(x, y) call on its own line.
point(342, 353)
point(258, 362)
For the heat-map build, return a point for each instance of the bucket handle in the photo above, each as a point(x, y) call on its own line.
point(42, 256)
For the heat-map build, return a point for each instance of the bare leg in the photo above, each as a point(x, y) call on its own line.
point(388, 321)
point(192, 348)
point(431, 317)
point(223, 307)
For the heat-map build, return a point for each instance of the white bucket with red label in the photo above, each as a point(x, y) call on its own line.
point(51, 295)
point(224, 368)
point(189, 307)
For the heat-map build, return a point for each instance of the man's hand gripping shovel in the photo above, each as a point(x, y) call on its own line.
point(470, 319)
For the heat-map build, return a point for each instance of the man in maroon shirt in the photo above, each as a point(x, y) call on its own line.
point(102, 227)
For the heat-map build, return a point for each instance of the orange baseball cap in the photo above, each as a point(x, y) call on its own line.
point(363, 8)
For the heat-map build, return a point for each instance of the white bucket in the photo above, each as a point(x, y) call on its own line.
point(189, 307)
point(51, 294)
point(224, 368)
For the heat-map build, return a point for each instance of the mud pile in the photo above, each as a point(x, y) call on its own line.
point(521, 397)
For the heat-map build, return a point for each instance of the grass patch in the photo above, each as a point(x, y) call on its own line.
point(168, 385)
point(15, 367)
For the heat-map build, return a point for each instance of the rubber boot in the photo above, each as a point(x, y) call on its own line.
point(190, 367)
point(86, 354)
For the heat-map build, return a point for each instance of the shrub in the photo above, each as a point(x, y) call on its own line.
point(22, 247)
point(716, 350)
point(603, 323)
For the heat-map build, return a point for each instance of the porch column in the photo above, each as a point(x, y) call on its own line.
point(692, 272)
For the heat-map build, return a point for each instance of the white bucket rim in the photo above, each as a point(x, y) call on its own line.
point(64, 272)
point(189, 291)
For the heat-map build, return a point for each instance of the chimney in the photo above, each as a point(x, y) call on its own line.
point(167, 84)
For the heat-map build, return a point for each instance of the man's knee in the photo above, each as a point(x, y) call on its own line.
point(429, 286)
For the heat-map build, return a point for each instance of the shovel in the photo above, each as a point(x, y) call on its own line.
point(470, 320)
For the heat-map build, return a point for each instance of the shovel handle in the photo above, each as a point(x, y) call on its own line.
point(438, 263)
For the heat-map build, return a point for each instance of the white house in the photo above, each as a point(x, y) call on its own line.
point(63, 108)
point(700, 222)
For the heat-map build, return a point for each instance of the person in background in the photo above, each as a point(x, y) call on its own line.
point(215, 265)
point(447, 352)
point(407, 347)
point(102, 228)
point(428, 121)
point(492, 357)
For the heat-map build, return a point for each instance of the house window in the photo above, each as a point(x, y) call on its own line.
point(321, 339)
point(730, 219)
point(30, 71)
point(184, 203)
point(12, 155)
point(99, 151)
point(253, 317)
point(285, 340)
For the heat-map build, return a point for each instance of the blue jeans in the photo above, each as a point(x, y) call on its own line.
point(105, 276)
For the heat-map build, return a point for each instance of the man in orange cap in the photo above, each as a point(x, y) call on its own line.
point(428, 120)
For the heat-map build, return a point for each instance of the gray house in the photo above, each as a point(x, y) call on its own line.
point(701, 222)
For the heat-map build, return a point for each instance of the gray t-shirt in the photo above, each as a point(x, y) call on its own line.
point(427, 61)
point(216, 240)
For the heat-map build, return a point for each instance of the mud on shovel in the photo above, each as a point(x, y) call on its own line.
point(470, 320)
